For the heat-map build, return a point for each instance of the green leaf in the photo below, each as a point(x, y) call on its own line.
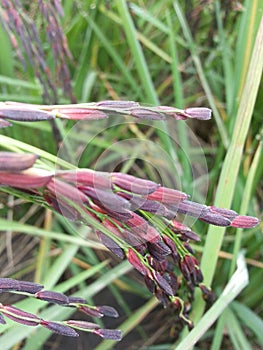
point(250, 319)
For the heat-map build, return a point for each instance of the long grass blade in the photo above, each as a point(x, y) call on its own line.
point(236, 334)
point(228, 176)
point(246, 201)
point(249, 319)
point(38, 232)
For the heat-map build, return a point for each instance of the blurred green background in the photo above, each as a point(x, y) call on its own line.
point(174, 53)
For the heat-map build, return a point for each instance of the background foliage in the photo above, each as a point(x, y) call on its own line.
point(178, 53)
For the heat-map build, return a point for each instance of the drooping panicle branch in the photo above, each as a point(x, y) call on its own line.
point(66, 328)
point(92, 111)
point(21, 25)
point(134, 218)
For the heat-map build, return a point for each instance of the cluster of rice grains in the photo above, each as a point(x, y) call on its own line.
point(133, 217)
point(68, 327)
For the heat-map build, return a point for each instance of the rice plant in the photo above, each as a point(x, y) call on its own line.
point(195, 184)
